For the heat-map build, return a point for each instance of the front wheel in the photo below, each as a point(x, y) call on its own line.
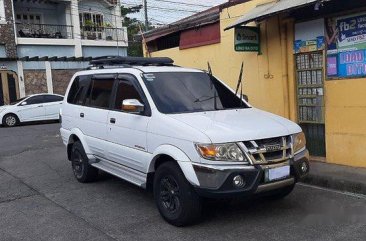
point(10, 120)
point(175, 198)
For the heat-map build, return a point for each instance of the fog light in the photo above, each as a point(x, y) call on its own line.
point(304, 167)
point(238, 181)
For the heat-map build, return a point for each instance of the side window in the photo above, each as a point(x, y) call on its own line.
point(126, 90)
point(78, 89)
point(52, 98)
point(99, 94)
point(35, 100)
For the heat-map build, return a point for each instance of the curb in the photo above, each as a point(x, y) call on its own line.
point(336, 183)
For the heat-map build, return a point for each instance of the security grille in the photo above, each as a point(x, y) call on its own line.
point(272, 150)
point(310, 87)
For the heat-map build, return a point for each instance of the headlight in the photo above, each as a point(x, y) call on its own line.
point(221, 152)
point(299, 141)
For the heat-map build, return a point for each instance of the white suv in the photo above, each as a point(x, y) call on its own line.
point(179, 131)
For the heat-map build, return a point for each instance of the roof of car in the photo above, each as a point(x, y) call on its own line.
point(43, 94)
point(146, 69)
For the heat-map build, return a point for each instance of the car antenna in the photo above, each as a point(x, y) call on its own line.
point(212, 84)
point(240, 84)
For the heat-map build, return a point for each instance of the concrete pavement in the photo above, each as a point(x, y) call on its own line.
point(41, 200)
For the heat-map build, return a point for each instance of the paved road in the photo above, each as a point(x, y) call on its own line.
point(40, 200)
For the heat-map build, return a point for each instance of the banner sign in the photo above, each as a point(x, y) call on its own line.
point(346, 46)
point(247, 39)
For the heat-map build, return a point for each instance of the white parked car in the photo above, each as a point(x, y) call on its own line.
point(181, 132)
point(38, 107)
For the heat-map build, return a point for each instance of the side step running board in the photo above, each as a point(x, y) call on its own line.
point(123, 172)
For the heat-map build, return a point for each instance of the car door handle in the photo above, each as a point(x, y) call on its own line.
point(82, 115)
point(40, 106)
point(112, 120)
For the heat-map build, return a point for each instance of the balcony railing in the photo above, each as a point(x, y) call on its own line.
point(103, 33)
point(30, 30)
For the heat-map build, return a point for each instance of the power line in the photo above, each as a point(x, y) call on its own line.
point(186, 4)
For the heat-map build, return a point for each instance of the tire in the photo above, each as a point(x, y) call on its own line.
point(281, 193)
point(83, 171)
point(177, 201)
point(10, 120)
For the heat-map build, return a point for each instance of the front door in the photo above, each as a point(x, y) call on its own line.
point(32, 109)
point(127, 131)
point(310, 99)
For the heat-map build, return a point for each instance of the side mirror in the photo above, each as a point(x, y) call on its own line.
point(132, 106)
point(24, 103)
point(245, 97)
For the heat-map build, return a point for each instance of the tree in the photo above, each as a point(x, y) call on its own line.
point(133, 28)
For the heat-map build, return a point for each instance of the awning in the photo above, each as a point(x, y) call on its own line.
point(272, 8)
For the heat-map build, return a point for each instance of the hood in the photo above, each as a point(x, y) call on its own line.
point(238, 125)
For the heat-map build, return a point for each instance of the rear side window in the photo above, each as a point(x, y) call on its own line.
point(78, 89)
point(99, 95)
point(35, 100)
point(52, 98)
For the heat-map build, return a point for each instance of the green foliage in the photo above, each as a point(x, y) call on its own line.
point(133, 28)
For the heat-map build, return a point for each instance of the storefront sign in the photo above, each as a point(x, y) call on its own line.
point(346, 46)
point(309, 36)
point(247, 39)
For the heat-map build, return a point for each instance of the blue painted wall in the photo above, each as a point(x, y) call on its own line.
point(2, 51)
point(29, 65)
point(94, 51)
point(10, 65)
point(50, 13)
point(45, 50)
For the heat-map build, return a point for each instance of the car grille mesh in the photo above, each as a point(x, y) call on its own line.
point(271, 150)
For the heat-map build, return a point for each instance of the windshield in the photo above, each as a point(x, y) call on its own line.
point(17, 101)
point(179, 92)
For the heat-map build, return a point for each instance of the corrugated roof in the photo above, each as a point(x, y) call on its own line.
point(265, 10)
point(206, 17)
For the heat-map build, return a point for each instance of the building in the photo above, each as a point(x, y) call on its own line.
point(303, 59)
point(44, 42)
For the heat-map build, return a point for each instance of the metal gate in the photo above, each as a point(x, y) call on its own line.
point(310, 100)
point(9, 90)
point(1, 91)
point(12, 88)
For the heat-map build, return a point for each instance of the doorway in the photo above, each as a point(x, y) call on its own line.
point(310, 100)
point(9, 88)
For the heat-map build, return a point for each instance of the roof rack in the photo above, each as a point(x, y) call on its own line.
point(100, 62)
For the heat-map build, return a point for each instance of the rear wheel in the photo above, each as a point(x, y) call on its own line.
point(10, 120)
point(83, 171)
point(175, 198)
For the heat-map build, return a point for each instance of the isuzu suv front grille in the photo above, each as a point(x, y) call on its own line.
point(267, 151)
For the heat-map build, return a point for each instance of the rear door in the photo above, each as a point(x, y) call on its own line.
point(75, 99)
point(32, 109)
point(127, 131)
point(52, 106)
point(93, 115)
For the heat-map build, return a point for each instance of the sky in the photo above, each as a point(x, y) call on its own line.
point(162, 12)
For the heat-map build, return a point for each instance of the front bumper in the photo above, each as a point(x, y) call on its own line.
point(217, 181)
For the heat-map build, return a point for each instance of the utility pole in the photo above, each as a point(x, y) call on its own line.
point(146, 19)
